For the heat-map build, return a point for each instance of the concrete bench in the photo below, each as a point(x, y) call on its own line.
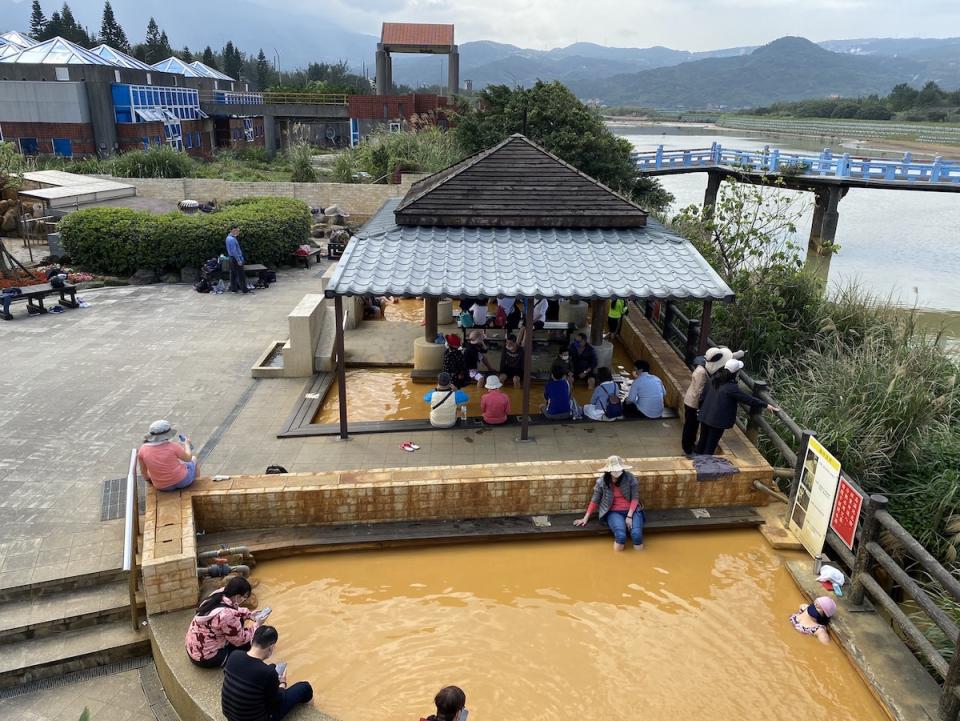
point(34, 295)
point(306, 257)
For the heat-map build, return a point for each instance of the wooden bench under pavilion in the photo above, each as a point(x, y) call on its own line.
point(517, 221)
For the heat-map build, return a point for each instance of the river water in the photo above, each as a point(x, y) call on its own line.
point(892, 242)
point(694, 627)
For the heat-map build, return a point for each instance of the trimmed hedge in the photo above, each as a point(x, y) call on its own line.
point(120, 241)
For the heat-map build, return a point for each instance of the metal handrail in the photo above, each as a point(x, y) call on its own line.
point(277, 98)
point(131, 531)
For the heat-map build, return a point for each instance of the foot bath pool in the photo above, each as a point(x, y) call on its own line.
point(694, 627)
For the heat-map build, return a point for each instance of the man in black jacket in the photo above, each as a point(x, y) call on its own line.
point(254, 690)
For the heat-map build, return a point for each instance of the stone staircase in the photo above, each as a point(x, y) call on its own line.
point(64, 626)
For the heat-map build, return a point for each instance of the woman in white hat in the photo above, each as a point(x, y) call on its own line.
point(718, 406)
point(705, 367)
point(495, 404)
point(616, 495)
point(167, 463)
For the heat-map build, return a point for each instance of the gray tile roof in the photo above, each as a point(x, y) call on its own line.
point(652, 262)
point(516, 184)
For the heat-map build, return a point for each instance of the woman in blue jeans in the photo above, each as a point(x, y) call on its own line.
point(617, 497)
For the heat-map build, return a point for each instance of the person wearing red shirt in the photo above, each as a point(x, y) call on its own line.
point(616, 495)
point(495, 404)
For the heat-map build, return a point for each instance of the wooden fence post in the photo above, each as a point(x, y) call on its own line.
point(949, 703)
point(864, 562)
point(693, 341)
point(668, 321)
point(648, 309)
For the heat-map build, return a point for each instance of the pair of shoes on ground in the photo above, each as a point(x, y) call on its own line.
point(409, 446)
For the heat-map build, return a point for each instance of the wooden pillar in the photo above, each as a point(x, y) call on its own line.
point(823, 231)
point(710, 196)
point(341, 364)
point(870, 531)
point(430, 318)
point(705, 326)
point(598, 320)
point(527, 367)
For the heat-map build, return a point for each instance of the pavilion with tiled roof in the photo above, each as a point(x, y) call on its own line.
point(515, 220)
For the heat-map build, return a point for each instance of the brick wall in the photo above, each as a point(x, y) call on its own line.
point(371, 107)
point(81, 135)
point(361, 201)
point(130, 136)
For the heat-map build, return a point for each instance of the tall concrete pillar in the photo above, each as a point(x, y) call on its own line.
point(381, 72)
point(270, 134)
point(453, 72)
point(388, 77)
point(823, 232)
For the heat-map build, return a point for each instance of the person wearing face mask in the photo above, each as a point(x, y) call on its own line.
point(718, 406)
point(451, 704)
point(813, 619)
point(616, 495)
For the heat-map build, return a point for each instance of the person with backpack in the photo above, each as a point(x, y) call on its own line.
point(220, 625)
point(444, 401)
point(616, 496)
point(605, 403)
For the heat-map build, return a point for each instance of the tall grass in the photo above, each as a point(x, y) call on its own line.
point(383, 154)
point(158, 162)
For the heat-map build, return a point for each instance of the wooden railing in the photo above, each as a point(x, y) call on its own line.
point(825, 164)
point(681, 332)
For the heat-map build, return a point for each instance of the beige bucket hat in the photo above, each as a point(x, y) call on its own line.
point(615, 463)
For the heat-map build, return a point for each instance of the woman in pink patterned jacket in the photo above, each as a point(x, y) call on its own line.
point(219, 627)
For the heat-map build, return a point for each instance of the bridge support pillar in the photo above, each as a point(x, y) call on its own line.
point(823, 232)
point(453, 72)
point(383, 72)
point(710, 197)
point(270, 134)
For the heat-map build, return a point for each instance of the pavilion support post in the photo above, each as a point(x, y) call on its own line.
point(527, 368)
point(430, 318)
point(341, 364)
point(823, 232)
point(705, 326)
point(710, 196)
point(598, 319)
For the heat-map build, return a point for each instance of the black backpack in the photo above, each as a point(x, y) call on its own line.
point(275, 470)
point(203, 285)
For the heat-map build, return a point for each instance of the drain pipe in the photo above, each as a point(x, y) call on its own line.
point(218, 570)
point(243, 551)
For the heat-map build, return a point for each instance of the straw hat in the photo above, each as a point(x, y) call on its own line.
point(160, 431)
point(615, 463)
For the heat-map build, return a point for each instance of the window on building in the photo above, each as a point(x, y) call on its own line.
point(116, 76)
point(62, 73)
point(157, 140)
point(146, 143)
point(149, 79)
point(197, 138)
point(28, 146)
point(62, 147)
point(188, 140)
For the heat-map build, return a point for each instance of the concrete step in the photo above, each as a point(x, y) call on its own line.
point(47, 613)
point(324, 353)
point(67, 583)
point(39, 658)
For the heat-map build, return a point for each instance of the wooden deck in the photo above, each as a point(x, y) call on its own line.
point(279, 542)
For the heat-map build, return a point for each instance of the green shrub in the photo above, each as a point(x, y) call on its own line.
point(119, 241)
point(301, 164)
point(158, 162)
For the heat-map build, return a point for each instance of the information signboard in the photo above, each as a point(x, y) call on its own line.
point(813, 506)
point(846, 512)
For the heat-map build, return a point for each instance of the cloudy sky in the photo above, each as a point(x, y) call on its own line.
point(682, 24)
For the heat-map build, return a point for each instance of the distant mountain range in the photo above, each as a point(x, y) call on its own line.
point(787, 69)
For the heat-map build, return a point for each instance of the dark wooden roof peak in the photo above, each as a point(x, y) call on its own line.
point(518, 184)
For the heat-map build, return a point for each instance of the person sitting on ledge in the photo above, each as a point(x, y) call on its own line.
point(583, 359)
point(453, 361)
point(254, 690)
point(616, 495)
point(444, 400)
point(605, 403)
point(495, 404)
point(557, 395)
point(219, 627)
point(475, 358)
point(451, 704)
point(511, 362)
point(168, 464)
point(645, 398)
point(813, 620)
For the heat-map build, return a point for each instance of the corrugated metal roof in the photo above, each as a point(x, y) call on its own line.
point(649, 262)
point(173, 64)
point(429, 34)
point(518, 184)
point(208, 72)
point(56, 51)
point(17, 38)
point(119, 58)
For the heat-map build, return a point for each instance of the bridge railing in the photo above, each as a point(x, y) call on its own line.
point(228, 97)
point(682, 334)
point(826, 164)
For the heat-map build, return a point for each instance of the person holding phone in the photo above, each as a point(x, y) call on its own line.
point(166, 459)
point(220, 626)
point(451, 704)
point(254, 690)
